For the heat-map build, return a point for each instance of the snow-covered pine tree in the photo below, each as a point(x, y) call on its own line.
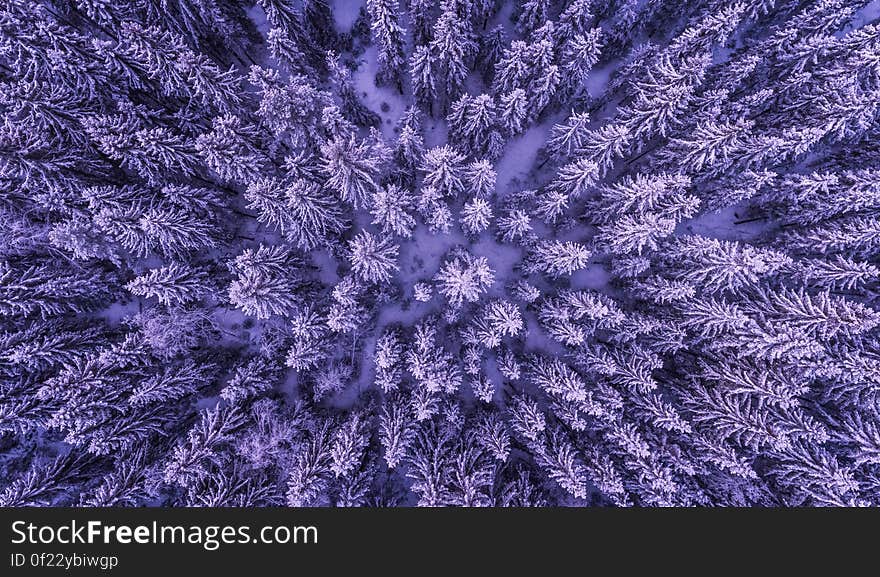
point(390, 36)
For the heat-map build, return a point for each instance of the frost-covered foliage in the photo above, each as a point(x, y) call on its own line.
point(469, 253)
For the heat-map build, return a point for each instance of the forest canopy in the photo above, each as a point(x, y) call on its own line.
point(439, 253)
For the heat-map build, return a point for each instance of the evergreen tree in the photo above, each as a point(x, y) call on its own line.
point(352, 169)
point(422, 76)
point(373, 258)
point(170, 285)
point(390, 36)
point(230, 150)
point(444, 170)
point(453, 49)
point(265, 282)
point(463, 278)
point(389, 207)
point(559, 258)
